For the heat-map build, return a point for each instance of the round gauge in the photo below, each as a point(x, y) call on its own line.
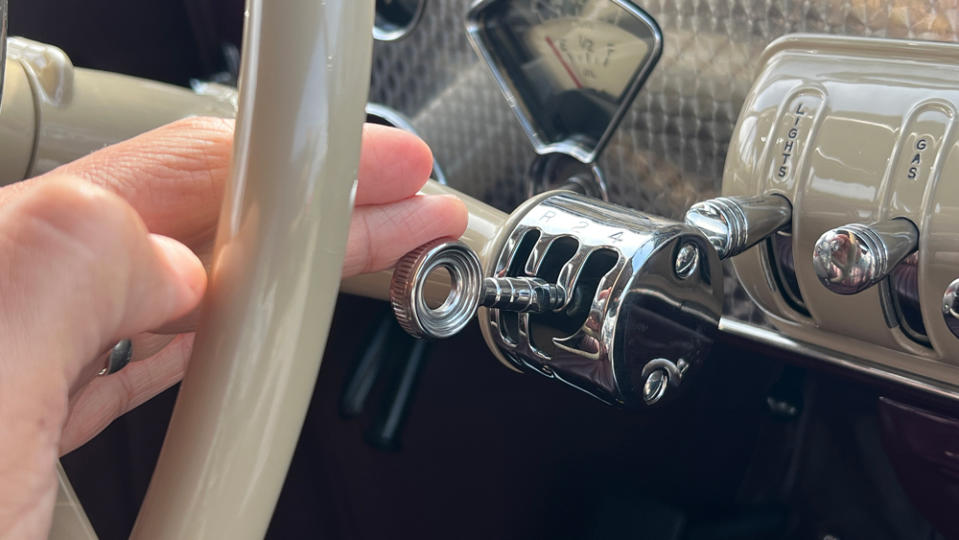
point(578, 55)
point(569, 68)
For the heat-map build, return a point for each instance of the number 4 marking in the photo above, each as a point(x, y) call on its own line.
point(616, 237)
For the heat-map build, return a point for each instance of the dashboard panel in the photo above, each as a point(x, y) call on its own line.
point(670, 148)
point(858, 134)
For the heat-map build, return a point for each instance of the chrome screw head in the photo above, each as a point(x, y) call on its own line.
point(655, 386)
point(687, 260)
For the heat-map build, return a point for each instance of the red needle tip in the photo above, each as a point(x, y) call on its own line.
point(563, 61)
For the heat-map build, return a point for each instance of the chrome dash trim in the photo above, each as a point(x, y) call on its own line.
point(771, 337)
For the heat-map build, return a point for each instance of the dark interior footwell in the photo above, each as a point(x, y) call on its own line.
point(488, 453)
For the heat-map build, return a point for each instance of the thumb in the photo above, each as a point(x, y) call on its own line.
point(79, 271)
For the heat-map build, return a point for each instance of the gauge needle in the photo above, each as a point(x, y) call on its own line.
point(569, 70)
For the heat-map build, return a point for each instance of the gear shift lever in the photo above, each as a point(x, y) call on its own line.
point(617, 303)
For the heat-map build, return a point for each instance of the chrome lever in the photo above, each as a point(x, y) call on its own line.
point(522, 294)
point(734, 224)
point(468, 290)
point(854, 257)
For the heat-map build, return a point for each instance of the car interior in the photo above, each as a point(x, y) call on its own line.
point(719, 301)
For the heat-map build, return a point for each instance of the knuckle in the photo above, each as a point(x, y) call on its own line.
point(212, 138)
point(70, 247)
point(199, 147)
point(75, 219)
point(78, 207)
point(215, 126)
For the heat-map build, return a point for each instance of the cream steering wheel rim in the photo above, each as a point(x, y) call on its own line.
point(275, 275)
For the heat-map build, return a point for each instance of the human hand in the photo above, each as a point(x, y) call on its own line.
point(112, 246)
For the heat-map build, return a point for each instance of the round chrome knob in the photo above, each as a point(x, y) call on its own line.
point(950, 307)
point(734, 224)
point(468, 290)
point(410, 277)
point(854, 257)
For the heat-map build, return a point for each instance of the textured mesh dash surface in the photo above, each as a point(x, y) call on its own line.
point(669, 150)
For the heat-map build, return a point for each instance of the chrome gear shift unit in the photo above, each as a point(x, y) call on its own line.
point(609, 300)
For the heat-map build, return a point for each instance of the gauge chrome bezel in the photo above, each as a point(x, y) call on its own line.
point(395, 34)
point(582, 151)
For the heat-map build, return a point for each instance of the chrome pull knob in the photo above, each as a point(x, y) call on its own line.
point(734, 224)
point(854, 257)
point(468, 290)
point(950, 307)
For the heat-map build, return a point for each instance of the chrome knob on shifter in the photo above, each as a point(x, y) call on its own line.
point(734, 224)
point(468, 290)
point(854, 257)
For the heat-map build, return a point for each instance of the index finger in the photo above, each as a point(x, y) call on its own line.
point(394, 165)
point(174, 175)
